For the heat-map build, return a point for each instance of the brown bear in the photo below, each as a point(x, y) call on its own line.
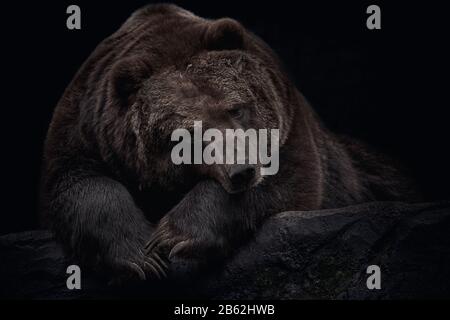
point(119, 204)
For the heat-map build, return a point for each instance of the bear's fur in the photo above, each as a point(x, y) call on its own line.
point(110, 191)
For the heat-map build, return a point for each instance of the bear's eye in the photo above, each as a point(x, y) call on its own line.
point(238, 111)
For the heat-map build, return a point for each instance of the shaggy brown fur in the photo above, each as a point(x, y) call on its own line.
point(109, 186)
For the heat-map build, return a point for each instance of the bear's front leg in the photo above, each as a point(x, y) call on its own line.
point(205, 226)
point(99, 223)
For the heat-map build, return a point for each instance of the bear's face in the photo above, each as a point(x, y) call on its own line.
point(224, 90)
point(167, 69)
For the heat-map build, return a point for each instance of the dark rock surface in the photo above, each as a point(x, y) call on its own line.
point(296, 255)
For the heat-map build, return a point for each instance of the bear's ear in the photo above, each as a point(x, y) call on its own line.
point(225, 34)
point(127, 76)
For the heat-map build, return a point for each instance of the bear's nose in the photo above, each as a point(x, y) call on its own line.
point(241, 174)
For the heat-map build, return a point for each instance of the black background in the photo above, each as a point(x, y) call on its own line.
point(388, 87)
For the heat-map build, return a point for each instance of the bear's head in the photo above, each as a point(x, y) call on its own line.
point(167, 69)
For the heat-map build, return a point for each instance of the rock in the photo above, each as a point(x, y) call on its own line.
point(296, 255)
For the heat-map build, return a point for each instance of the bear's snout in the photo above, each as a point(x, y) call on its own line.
point(242, 177)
